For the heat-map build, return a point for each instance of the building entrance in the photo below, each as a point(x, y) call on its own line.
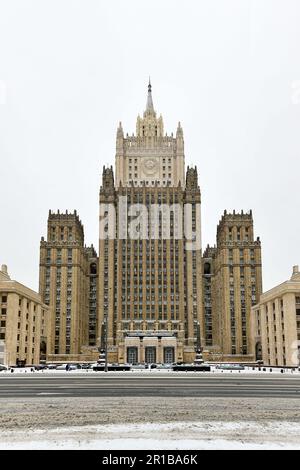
point(150, 355)
point(168, 355)
point(132, 355)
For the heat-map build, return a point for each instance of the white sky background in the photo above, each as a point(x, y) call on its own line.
point(71, 70)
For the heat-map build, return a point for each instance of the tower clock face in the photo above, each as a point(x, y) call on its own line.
point(150, 166)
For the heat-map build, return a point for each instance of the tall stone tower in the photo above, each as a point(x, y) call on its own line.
point(232, 283)
point(150, 295)
point(67, 268)
point(150, 157)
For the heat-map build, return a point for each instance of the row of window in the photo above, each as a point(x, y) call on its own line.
point(3, 300)
point(62, 233)
point(25, 350)
point(149, 183)
point(136, 159)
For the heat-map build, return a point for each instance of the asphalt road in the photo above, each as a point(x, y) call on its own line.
point(109, 385)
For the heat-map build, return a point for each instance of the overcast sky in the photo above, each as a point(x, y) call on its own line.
point(71, 70)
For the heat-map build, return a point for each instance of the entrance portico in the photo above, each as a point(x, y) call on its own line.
point(146, 348)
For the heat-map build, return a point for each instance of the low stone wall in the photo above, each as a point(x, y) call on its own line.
point(91, 357)
point(238, 358)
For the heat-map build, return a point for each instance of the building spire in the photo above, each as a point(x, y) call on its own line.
point(149, 106)
point(149, 126)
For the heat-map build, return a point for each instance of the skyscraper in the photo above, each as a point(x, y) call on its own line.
point(67, 284)
point(150, 248)
point(150, 296)
point(232, 282)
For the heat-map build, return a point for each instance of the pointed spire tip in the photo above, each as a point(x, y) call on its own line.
point(149, 106)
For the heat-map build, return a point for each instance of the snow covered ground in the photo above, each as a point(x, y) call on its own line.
point(214, 370)
point(150, 423)
point(180, 435)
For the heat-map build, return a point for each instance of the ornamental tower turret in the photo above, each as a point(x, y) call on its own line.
point(150, 157)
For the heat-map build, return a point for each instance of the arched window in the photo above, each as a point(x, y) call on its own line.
point(258, 351)
point(93, 268)
point(207, 268)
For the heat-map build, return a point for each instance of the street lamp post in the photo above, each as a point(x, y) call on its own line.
point(199, 357)
point(222, 342)
point(105, 346)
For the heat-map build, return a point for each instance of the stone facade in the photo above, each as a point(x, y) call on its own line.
point(68, 284)
point(232, 284)
point(151, 294)
point(23, 323)
point(275, 324)
point(150, 157)
point(150, 282)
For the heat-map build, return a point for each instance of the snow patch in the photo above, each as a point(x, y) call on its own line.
point(179, 435)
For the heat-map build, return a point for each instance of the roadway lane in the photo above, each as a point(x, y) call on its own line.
point(112, 385)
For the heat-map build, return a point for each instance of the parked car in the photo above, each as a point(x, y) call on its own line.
point(150, 366)
point(68, 367)
point(2, 367)
point(62, 367)
point(51, 366)
point(75, 366)
point(39, 366)
point(86, 366)
point(164, 366)
point(230, 367)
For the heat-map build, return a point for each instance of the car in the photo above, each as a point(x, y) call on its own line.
point(62, 367)
point(230, 367)
point(2, 367)
point(75, 366)
point(150, 366)
point(68, 367)
point(51, 366)
point(94, 364)
point(164, 366)
point(39, 367)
